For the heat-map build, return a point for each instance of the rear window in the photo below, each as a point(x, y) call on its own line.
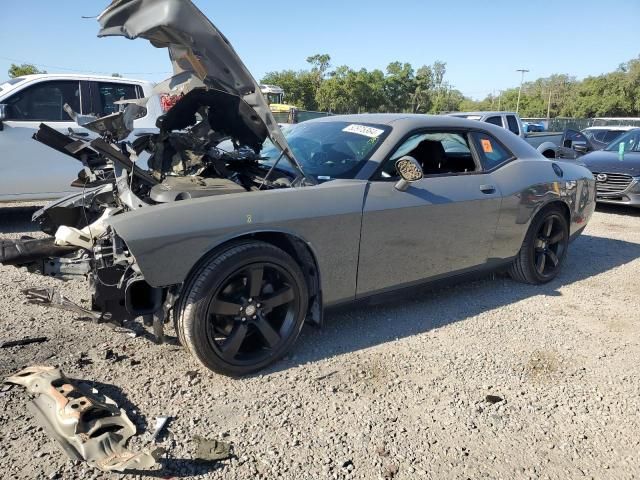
point(513, 124)
point(492, 153)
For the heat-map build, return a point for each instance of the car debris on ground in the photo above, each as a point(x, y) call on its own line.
point(22, 341)
point(88, 426)
point(211, 450)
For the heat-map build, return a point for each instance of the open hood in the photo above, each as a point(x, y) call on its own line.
point(200, 53)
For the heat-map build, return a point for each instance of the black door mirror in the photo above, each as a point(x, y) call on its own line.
point(409, 170)
point(580, 147)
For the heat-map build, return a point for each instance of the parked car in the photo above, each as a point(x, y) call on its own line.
point(30, 170)
point(529, 127)
point(600, 137)
point(616, 169)
point(242, 245)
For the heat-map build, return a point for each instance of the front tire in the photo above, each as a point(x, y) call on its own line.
point(243, 309)
point(543, 250)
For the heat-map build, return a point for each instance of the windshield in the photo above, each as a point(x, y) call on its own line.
point(328, 150)
point(629, 142)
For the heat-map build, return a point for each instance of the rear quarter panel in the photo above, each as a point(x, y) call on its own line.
point(527, 187)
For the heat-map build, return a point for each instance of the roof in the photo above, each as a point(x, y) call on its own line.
point(408, 120)
point(613, 127)
point(481, 114)
point(80, 76)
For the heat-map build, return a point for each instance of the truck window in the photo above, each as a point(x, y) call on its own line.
point(497, 120)
point(44, 102)
point(513, 124)
point(112, 92)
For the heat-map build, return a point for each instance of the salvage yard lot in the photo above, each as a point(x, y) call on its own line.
point(487, 379)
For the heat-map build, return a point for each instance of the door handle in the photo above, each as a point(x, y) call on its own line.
point(81, 134)
point(488, 189)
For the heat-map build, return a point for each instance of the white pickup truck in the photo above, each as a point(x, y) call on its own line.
point(548, 144)
point(30, 170)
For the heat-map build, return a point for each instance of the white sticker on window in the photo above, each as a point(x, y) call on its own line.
point(370, 132)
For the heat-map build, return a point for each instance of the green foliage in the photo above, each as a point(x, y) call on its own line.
point(345, 90)
point(22, 70)
point(401, 88)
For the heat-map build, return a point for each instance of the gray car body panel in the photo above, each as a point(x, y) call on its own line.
point(365, 235)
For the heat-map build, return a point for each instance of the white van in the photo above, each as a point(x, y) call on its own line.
point(30, 170)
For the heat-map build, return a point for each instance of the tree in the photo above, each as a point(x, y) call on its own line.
point(299, 87)
point(320, 64)
point(22, 70)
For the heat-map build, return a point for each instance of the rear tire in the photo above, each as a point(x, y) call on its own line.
point(243, 309)
point(544, 248)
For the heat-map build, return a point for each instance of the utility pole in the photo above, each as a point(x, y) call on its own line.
point(522, 71)
point(500, 102)
point(549, 103)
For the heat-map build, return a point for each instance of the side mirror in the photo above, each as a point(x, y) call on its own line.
point(410, 171)
point(3, 114)
point(580, 147)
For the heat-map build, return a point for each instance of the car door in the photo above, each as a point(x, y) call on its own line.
point(441, 224)
point(29, 169)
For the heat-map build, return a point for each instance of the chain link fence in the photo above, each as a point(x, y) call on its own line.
point(560, 124)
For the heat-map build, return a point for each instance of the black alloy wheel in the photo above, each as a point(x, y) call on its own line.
point(243, 308)
point(544, 248)
point(550, 245)
point(252, 313)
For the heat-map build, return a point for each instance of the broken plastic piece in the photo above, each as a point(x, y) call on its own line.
point(51, 297)
point(88, 426)
point(160, 424)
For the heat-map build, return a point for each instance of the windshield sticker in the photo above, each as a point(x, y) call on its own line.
point(370, 132)
point(486, 145)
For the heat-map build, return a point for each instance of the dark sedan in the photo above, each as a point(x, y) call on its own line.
point(617, 170)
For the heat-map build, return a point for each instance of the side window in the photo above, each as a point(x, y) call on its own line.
point(497, 120)
point(109, 93)
point(492, 153)
point(437, 152)
point(611, 136)
point(513, 124)
point(44, 102)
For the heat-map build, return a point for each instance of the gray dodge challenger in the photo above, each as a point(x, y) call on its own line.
point(240, 234)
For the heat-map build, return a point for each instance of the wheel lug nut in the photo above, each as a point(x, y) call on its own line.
point(255, 316)
point(259, 305)
point(244, 319)
point(250, 300)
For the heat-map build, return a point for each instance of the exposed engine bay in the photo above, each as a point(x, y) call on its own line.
point(208, 143)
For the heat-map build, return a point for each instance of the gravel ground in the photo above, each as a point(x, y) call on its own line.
point(402, 390)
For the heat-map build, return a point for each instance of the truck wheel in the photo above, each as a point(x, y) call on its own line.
point(243, 309)
point(543, 250)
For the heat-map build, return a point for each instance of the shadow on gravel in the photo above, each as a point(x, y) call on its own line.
point(179, 468)
point(18, 219)
point(362, 325)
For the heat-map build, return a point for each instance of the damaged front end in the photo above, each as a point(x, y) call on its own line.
point(87, 425)
point(208, 143)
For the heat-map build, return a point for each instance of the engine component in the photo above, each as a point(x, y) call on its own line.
point(23, 252)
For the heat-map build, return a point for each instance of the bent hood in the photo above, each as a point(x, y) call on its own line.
point(609, 162)
point(197, 49)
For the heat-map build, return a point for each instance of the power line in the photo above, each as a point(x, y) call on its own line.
point(55, 67)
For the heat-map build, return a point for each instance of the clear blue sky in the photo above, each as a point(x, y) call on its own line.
point(482, 42)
